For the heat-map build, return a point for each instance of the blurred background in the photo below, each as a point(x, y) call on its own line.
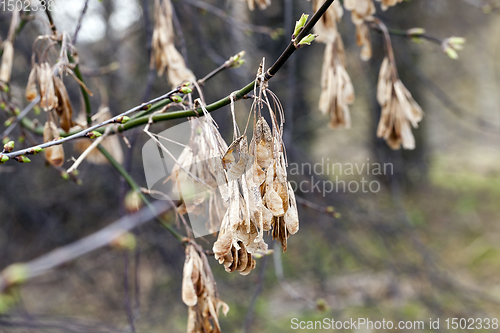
point(424, 246)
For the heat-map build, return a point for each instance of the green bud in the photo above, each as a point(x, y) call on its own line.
point(37, 109)
point(125, 241)
point(93, 134)
point(300, 24)
point(451, 53)
point(8, 122)
point(457, 40)
point(21, 139)
point(307, 40)
point(3, 159)
point(6, 88)
point(185, 90)
point(65, 175)
point(35, 150)
point(337, 215)
point(239, 55)
point(122, 119)
point(17, 111)
point(22, 159)
point(330, 209)
point(15, 274)
point(176, 99)
point(8, 146)
point(75, 172)
point(5, 140)
point(238, 63)
point(415, 31)
point(3, 105)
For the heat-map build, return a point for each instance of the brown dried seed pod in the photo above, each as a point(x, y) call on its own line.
point(188, 290)
point(63, 107)
point(46, 83)
point(7, 60)
point(263, 143)
point(250, 265)
point(54, 154)
point(291, 217)
point(31, 89)
point(243, 258)
point(223, 245)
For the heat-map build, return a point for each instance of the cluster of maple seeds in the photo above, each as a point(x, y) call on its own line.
point(46, 81)
point(164, 55)
point(259, 198)
point(199, 293)
point(399, 109)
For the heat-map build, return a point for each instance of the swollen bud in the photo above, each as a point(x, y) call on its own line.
point(122, 119)
point(93, 134)
point(236, 60)
point(185, 90)
point(3, 159)
point(7, 148)
point(35, 150)
point(9, 121)
point(176, 99)
point(125, 241)
point(22, 159)
point(132, 202)
point(15, 274)
point(300, 24)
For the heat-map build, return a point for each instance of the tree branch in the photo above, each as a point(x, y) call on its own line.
point(103, 237)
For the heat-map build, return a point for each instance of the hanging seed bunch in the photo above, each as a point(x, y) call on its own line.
point(399, 109)
point(260, 197)
point(111, 142)
point(337, 91)
point(198, 175)
point(47, 80)
point(326, 28)
point(199, 293)
point(361, 12)
point(164, 54)
point(262, 4)
point(8, 49)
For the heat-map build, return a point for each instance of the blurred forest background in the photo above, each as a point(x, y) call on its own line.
point(426, 245)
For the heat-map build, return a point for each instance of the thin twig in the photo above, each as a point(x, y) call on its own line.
point(20, 116)
point(225, 16)
point(87, 152)
point(83, 133)
point(405, 33)
point(80, 19)
point(227, 64)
